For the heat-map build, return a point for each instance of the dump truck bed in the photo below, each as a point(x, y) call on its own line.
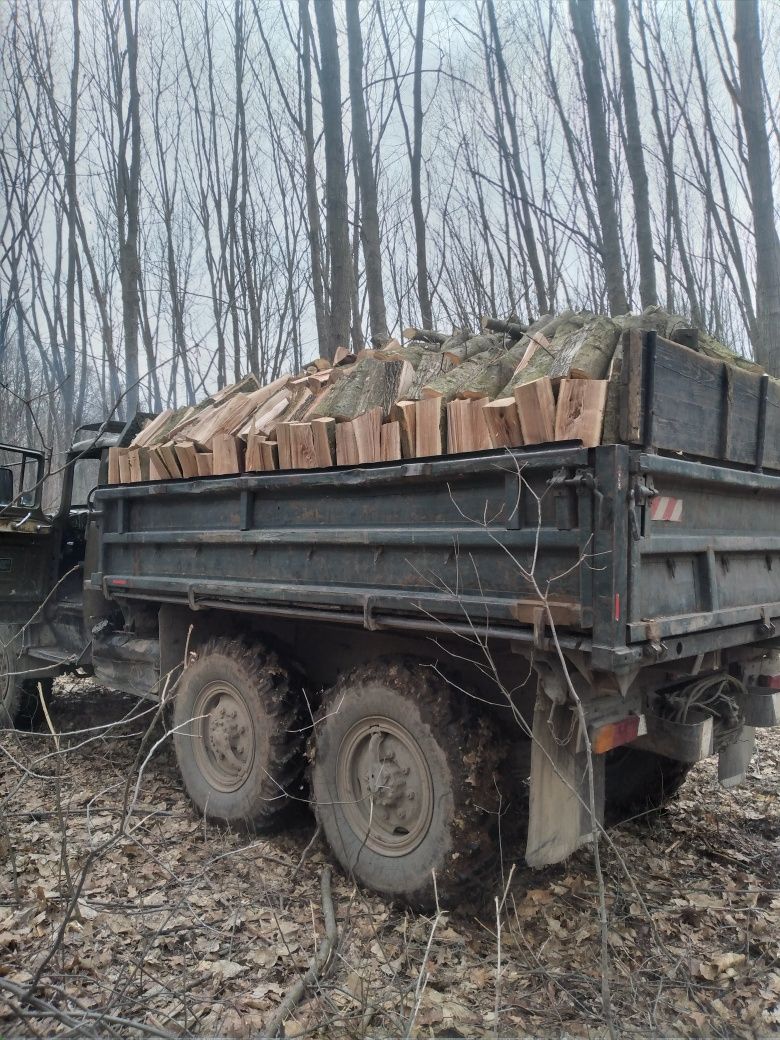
point(642, 558)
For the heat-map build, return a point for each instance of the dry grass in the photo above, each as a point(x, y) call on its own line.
point(187, 929)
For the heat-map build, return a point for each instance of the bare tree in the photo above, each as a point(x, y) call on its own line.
point(361, 143)
point(584, 28)
point(747, 35)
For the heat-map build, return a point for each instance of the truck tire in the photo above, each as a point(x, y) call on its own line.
point(20, 702)
point(637, 782)
point(237, 735)
point(404, 783)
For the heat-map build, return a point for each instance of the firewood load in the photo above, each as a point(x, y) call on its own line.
point(507, 386)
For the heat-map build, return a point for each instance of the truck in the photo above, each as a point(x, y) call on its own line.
point(440, 655)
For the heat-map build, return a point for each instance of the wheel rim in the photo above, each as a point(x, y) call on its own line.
point(224, 743)
point(384, 786)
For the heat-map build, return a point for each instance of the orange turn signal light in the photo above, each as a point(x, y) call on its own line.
point(613, 734)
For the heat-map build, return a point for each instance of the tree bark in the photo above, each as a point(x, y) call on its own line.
point(584, 29)
point(130, 178)
point(635, 157)
point(418, 213)
point(336, 211)
point(747, 35)
point(361, 142)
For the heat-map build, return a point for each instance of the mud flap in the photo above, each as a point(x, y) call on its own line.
point(733, 761)
point(559, 815)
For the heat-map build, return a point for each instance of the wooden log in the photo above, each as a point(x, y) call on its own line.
point(343, 357)
point(228, 454)
point(428, 419)
point(539, 344)
point(509, 328)
point(579, 414)
point(205, 464)
point(265, 422)
point(113, 465)
point(366, 429)
point(371, 384)
point(404, 413)
point(536, 408)
point(318, 382)
point(303, 453)
point(424, 335)
point(166, 454)
point(282, 431)
point(138, 463)
point(390, 441)
point(154, 427)
point(503, 423)
point(346, 445)
point(270, 456)
point(322, 364)
point(248, 384)
point(298, 406)
point(466, 426)
point(187, 457)
point(157, 470)
point(324, 432)
point(431, 366)
point(253, 458)
point(464, 376)
point(455, 348)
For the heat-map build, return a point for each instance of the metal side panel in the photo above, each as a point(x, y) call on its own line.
point(428, 540)
point(707, 553)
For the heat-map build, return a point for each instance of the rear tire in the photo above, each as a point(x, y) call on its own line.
point(20, 702)
point(404, 778)
point(237, 734)
point(638, 782)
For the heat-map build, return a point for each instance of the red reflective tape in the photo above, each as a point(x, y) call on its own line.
point(771, 682)
point(617, 606)
point(664, 507)
point(119, 581)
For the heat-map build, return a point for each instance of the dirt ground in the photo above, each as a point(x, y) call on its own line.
point(185, 929)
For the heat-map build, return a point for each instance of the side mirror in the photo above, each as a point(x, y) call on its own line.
point(6, 485)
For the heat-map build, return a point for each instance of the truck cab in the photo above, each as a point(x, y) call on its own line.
point(46, 615)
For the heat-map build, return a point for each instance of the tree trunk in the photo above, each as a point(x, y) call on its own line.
point(747, 35)
point(131, 177)
point(426, 313)
point(369, 225)
point(584, 29)
point(336, 211)
point(635, 157)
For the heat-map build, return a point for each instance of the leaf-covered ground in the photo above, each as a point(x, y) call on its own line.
point(182, 928)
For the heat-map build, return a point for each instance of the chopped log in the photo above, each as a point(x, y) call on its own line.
point(450, 384)
point(545, 341)
point(300, 381)
point(303, 454)
point(318, 382)
point(366, 429)
point(297, 408)
point(536, 407)
point(205, 464)
point(455, 348)
point(113, 464)
point(424, 335)
point(509, 328)
point(404, 413)
point(244, 386)
point(371, 384)
point(346, 445)
point(270, 456)
point(390, 441)
point(466, 426)
point(227, 454)
point(155, 426)
point(538, 342)
point(324, 432)
point(579, 414)
point(431, 365)
point(228, 417)
point(264, 423)
point(253, 458)
point(503, 423)
point(138, 462)
point(343, 357)
point(587, 354)
point(187, 457)
point(157, 470)
point(282, 431)
point(166, 454)
point(428, 420)
point(322, 364)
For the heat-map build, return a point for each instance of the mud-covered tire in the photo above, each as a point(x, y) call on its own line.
point(20, 702)
point(434, 768)
point(238, 734)
point(638, 782)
